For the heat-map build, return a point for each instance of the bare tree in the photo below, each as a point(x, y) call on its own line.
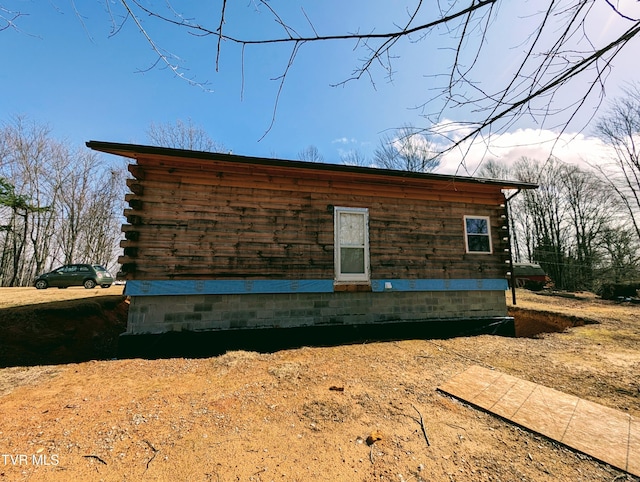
point(310, 154)
point(26, 162)
point(15, 209)
point(75, 182)
point(354, 157)
point(406, 150)
point(619, 128)
point(564, 223)
point(56, 204)
point(590, 213)
point(89, 208)
point(621, 247)
point(101, 234)
point(183, 135)
point(546, 232)
point(492, 169)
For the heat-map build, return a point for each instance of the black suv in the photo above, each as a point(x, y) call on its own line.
point(87, 275)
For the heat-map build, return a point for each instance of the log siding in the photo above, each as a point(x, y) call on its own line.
point(234, 222)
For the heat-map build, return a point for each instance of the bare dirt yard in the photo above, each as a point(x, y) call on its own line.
point(343, 413)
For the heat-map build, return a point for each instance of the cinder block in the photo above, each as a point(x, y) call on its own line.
point(173, 317)
point(265, 314)
point(203, 307)
point(238, 323)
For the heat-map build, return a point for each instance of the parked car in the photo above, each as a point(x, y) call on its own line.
point(87, 275)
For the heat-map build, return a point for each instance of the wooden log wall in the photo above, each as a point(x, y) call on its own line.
point(214, 220)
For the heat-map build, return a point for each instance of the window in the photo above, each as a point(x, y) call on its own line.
point(351, 231)
point(477, 234)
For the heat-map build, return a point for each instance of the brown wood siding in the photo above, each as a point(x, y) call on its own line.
point(223, 220)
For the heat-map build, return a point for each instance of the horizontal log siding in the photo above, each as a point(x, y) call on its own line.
point(240, 221)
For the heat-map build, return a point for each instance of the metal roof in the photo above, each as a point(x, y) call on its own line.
point(134, 151)
point(528, 269)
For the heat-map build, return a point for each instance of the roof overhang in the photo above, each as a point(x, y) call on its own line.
point(135, 151)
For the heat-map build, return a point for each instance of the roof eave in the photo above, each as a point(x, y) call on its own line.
point(133, 151)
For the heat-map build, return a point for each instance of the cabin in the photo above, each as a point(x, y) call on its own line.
point(220, 242)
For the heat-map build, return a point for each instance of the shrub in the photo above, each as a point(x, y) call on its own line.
point(611, 291)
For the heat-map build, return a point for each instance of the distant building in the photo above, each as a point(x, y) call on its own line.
point(530, 276)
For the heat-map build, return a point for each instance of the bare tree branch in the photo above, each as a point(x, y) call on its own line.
point(8, 18)
point(515, 107)
point(283, 78)
point(617, 10)
point(163, 57)
point(293, 37)
point(222, 11)
point(562, 49)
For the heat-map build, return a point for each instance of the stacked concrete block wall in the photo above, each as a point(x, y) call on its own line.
point(160, 314)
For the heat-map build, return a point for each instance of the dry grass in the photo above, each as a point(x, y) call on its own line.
point(12, 297)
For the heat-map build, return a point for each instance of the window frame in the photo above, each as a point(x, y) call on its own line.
point(350, 277)
point(488, 234)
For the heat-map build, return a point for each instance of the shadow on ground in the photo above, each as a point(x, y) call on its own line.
point(62, 331)
point(268, 340)
point(88, 329)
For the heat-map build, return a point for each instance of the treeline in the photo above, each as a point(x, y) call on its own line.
point(574, 225)
point(58, 204)
point(61, 205)
point(583, 224)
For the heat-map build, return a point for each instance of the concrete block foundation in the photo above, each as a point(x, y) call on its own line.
point(196, 313)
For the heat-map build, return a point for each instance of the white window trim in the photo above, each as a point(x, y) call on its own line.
point(350, 277)
point(466, 235)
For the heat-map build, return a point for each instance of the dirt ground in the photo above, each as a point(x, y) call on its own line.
point(60, 326)
point(345, 413)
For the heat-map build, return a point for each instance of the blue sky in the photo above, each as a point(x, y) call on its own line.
point(64, 68)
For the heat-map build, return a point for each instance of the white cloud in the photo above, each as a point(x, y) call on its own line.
point(344, 140)
point(508, 147)
point(413, 144)
point(451, 130)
